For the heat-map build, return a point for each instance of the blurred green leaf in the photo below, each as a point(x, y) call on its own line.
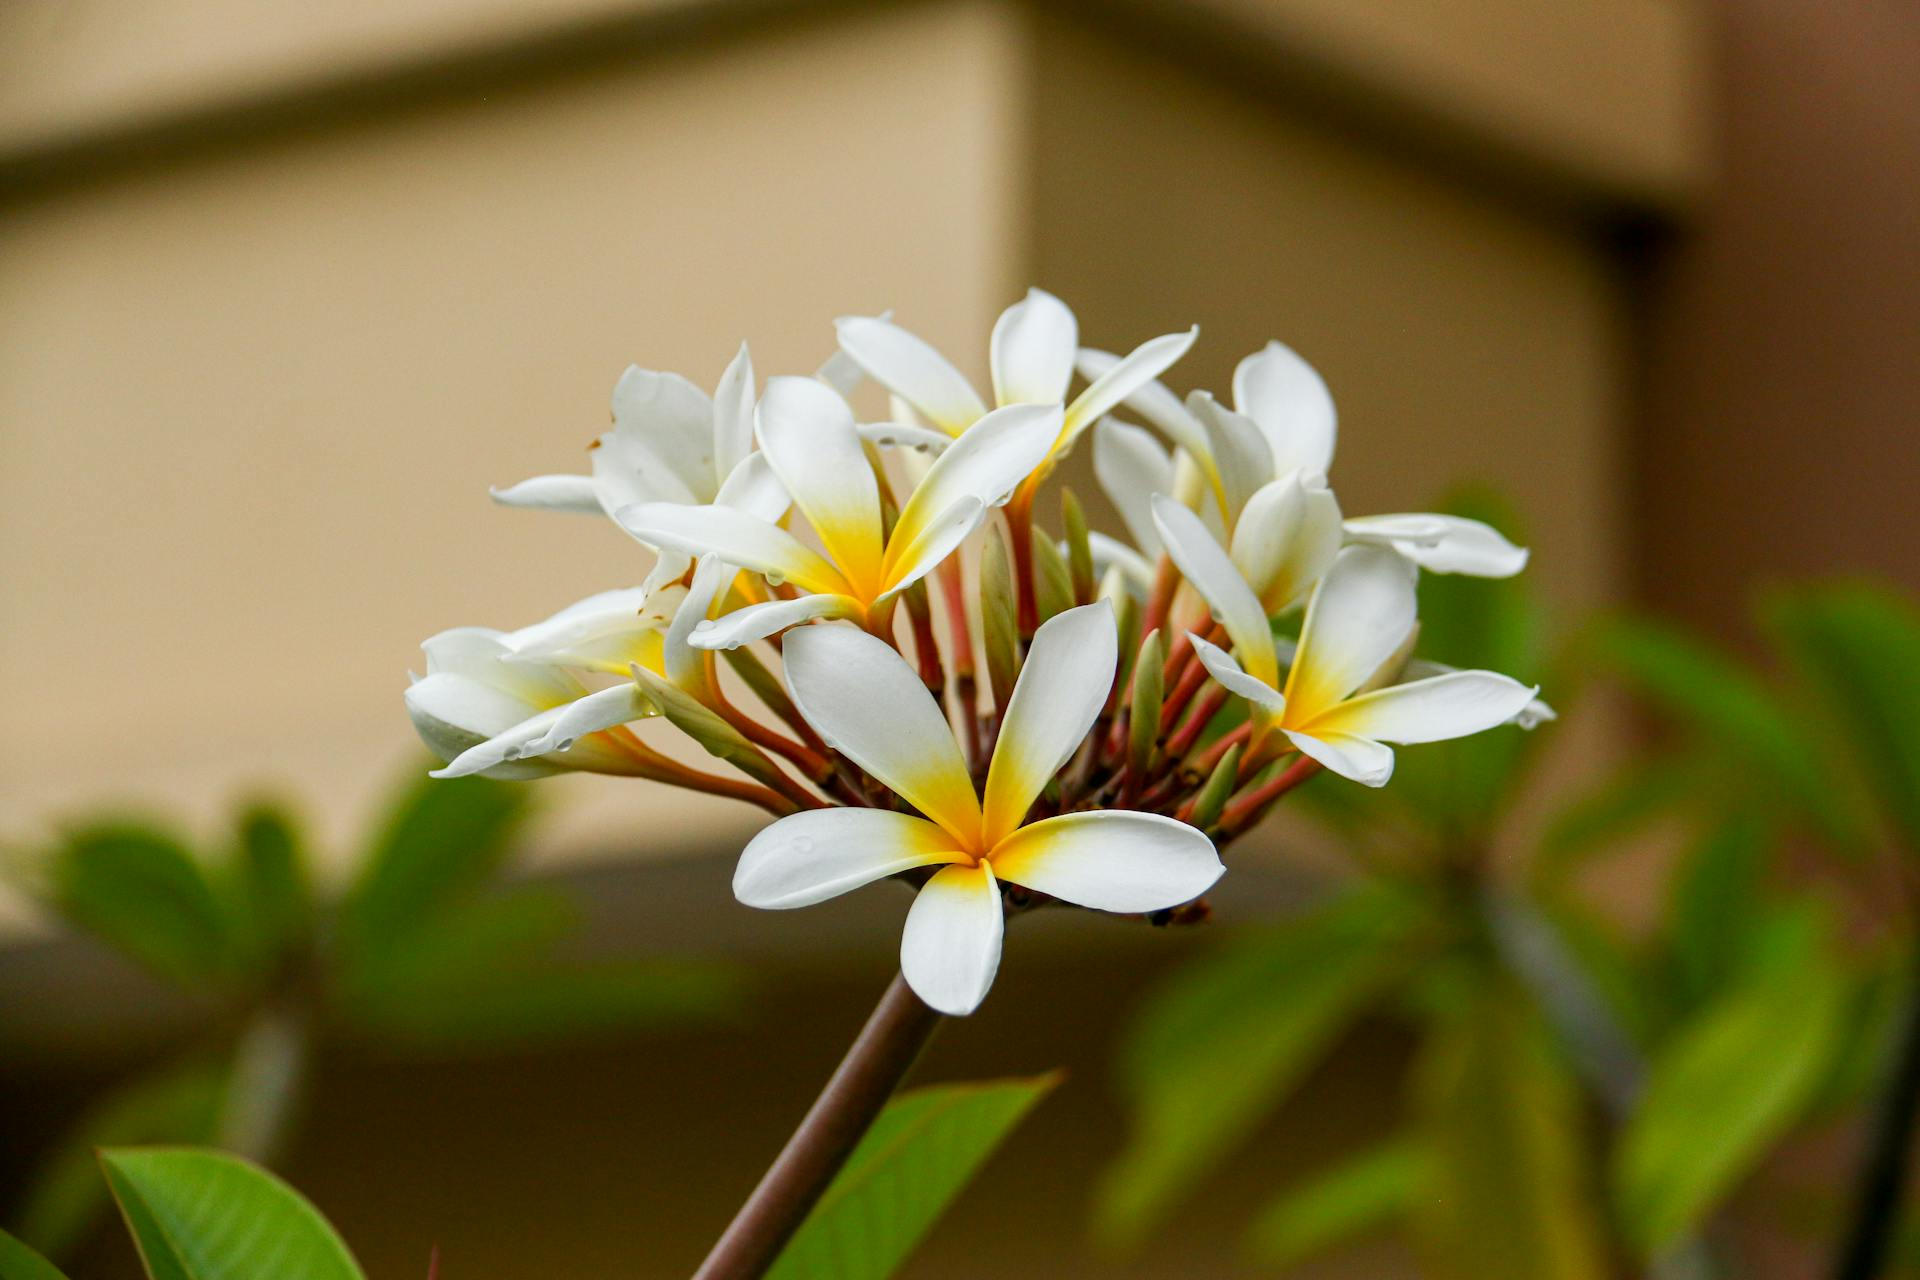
point(1603, 819)
point(17, 1262)
point(443, 840)
point(1860, 645)
point(1220, 1045)
point(462, 944)
point(1733, 714)
point(203, 1215)
point(546, 1004)
point(1052, 580)
point(1357, 1196)
point(922, 1151)
point(180, 1103)
point(1721, 1091)
point(1714, 905)
point(140, 890)
point(1615, 967)
point(1503, 1196)
point(273, 896)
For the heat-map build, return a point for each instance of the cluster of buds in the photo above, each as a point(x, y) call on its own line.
point(964, 701)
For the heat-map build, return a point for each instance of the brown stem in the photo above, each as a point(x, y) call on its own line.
point(1020, 539)
point(1249, 807)
point(873, 1068)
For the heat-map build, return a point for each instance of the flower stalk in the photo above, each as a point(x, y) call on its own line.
point(875, 1064)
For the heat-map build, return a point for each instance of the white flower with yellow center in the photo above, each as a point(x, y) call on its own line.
point(671, 442)
point(1282, 429)
point(1359, 616)
point(808, 437)
point(482, 709)
point(1031, 355)
point(869, 705)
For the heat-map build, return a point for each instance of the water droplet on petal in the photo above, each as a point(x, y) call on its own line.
point(803, 844)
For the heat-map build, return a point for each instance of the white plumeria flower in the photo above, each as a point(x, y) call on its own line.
point(480, 706)
point(670, 442)
point(619, 632)
point(1031, 354)
point(1358, 617)
point(808, 436)
point(869, 704)
point(1283, 423)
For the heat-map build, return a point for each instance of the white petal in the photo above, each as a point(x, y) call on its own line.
point(604, 632)
point(1240, 453)
point(1283, 393)
point(985, 464)
point(908, 564)
point(1364, 761)
point(1431, 710)
point(552, 493)
point(1138, 368)
point(1064, 683)
point(452, 712)
point(1221, 666)
point(1032, 350)
point(628, 469)
point(840, 372)
point(951, 948)
point(481, 654)
point(753, 488)
point(499, 755)
point(907, 366)
point(604, 709)
point(868, 704)
point(819, 854)
point(736, 538)
point(684, 665)
point(1531, 716)
point(758, 621)
point(905, 435)
point(733, 415)
point(673, 420)
point(1444, 544)
point(1110, 554)
point(1114, 860)
point(1152, 401)
point(1208, 570)
point(1132, 467)
point(1286, 538)
point(1357, 617)
point(807, 433)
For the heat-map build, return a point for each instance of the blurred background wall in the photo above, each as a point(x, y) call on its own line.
point(284, 288)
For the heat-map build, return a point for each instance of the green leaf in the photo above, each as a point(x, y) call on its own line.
point(1721, 1092)
point(1860, 645)
point(546, 1005)
point(999, 610)
point(1716, 899)
point(203, 1215)
point(1731, 711)
point(1052, 580)
point(443, 840)
point(1503, 1195)
point(139, 890)
point(1144, 704)
point(1355, 1197)
point(922, 1151)
point(272, 891)
point(177, 1104)
point(1229, 1037)
point(17, 1262)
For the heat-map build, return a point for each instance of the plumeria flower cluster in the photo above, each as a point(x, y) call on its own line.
point(868, 631)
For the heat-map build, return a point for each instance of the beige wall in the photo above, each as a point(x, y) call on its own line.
point(253, 400)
